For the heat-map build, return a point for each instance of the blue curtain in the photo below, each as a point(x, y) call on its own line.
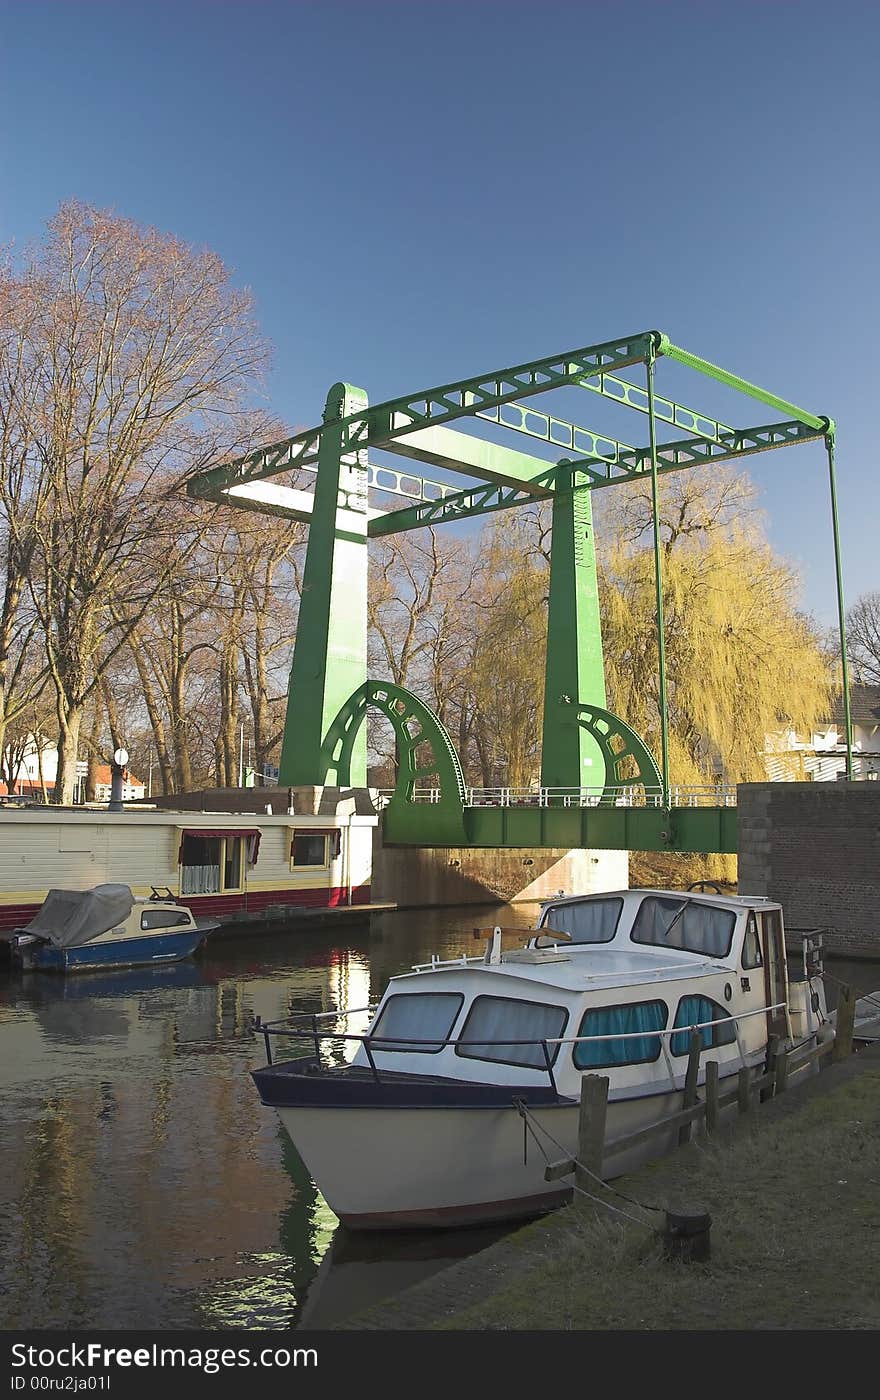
point(691, 1011)
point(621, 1020)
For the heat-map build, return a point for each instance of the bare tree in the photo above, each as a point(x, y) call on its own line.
point(22, 673)
point(863, 637)
point(138, 355)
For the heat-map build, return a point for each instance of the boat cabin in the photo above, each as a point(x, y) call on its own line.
point(612, 981)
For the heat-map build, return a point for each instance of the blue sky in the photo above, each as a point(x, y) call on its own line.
point(417, 192)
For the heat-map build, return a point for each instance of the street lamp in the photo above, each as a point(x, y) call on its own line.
point(117, 774)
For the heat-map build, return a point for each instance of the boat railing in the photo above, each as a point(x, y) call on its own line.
point(397, 1044)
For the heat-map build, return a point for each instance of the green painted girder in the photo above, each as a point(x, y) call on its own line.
point(695, 452)
point(634, 396)
point(742, 386)
point(477, 500)
point(460, 452)
point(386, 421)
point(685, 829)
point(560, 432)
point(634, 463)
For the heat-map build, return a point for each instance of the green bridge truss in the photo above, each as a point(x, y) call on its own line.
point(329, 692)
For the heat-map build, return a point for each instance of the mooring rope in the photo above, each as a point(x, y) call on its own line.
point(535, 1127)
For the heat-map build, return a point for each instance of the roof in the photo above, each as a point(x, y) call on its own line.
point(864, 704)
point(103, 775)
point(590, 967)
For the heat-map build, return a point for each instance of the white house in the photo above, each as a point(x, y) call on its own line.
point(822, 757)
point(39, 769)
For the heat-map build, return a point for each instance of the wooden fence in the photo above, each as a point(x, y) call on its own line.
point(770, 1083)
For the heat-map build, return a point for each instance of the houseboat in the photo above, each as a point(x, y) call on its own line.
point(468, 1076)
point(233, 867)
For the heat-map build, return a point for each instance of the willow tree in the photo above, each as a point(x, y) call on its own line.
point(507, 664)
point(138, 358)
point(743, 664)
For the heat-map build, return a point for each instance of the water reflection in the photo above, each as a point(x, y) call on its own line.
point(143, 1184)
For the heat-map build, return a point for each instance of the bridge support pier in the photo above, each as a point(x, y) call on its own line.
point(330, 652)
point(575, 672)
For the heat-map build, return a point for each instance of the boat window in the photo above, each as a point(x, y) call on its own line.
point(634, 1020)
point(668, 922)
point(416, 1021)
point(164, 918)
point(495, 1024)
point(752, 944)
point(309, 849)
point(693, 1011)
point(594, 921)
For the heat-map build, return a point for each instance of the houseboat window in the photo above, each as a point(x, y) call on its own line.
point(683, 923)
point(503, 1021)
point(164, 918)
point(636, 1021)
point(594, 921)
point(693, 1011)
point(309, 849)
point(210, 864)
point(232, 865)
point(411, 1019)
point(752, 944)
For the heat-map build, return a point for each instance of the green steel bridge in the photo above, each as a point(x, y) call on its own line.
point(633, 805)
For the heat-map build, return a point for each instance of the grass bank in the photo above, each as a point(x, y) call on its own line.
point(794, 1197)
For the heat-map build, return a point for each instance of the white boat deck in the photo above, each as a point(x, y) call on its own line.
point(589, 967)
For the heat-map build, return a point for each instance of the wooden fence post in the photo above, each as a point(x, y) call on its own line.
point(843, 1028)
point(743, 1090)
point(591, 1130)
point(770, 1066)
point(711, 1096)
point(690, 1083)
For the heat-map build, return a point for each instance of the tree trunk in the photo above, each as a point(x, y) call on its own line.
point(163, 757)
point(68, 745)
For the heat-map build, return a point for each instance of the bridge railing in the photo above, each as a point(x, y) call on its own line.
point(680, 795)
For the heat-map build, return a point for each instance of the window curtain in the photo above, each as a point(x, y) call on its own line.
point(409, 1019)
point(695, 928)
point(586, 923)
point(200, 879)
point(621, 1020)
point(500, 1017)
point(692, 1011)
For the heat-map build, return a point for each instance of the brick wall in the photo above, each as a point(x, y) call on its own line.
point(815, 847)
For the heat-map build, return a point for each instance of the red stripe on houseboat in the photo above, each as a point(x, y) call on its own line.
point(254, 902)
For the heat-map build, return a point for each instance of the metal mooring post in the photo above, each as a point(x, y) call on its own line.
point(686, 1233)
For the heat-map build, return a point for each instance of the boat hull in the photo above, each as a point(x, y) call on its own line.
point(400, 1167)
point(118, 952)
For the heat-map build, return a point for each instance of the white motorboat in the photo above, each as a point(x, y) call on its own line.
point(426, 1124)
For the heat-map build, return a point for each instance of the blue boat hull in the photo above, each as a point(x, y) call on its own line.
point(151, 950)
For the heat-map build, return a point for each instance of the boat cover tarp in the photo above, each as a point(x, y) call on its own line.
point(70, 918)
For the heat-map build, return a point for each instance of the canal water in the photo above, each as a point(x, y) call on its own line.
point(142, 1183)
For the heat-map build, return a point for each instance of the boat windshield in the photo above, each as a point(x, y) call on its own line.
point(694, 927)
point(592, 921)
